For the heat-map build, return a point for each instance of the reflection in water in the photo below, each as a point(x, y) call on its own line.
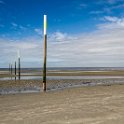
point(62, 77)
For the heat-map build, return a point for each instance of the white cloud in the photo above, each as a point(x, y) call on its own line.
point(38, 31)
point(111, 19)
point(112, 22)
point(22, 27)
point(29, 48)
point(120, 6)
point(109, 9)
point(58, 36)
point(14, 24)
point(109, 6)
point(103, 47)
point(18, 26)
point(96, 12)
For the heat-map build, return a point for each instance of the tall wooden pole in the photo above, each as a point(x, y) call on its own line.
point(11, 70)
point(19, 66)
point(15, 70)
point(19, 70)
point(45, 53)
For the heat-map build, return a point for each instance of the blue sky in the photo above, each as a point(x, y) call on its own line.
point(90, 31)
point(62, 15)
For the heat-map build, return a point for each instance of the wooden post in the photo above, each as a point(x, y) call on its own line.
point(45, 53)
point(19, 66)
point(11, 71)
point(19, 69)
point(15, 70)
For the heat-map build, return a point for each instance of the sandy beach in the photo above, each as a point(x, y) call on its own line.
point(85, 105)
point(96, 99)
point(61, 62)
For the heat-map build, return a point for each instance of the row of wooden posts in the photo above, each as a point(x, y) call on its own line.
point(17, 70)
point(45, 58)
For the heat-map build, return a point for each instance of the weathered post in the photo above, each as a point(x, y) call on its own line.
point(15, 70)
point(45, 53)
point(11, 71)
point(19, 66)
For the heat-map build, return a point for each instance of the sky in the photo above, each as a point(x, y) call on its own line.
point(81, 33)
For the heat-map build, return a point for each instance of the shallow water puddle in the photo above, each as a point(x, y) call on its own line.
point(62, 77)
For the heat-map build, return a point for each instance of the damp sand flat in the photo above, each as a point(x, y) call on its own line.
point(86, 105)
point(29, 86)
point(60, 73)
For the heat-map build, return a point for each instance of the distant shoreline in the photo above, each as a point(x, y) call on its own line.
point(71, 68)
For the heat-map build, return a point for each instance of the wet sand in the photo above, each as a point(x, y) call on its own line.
point(4, 74)
point(29, 86)
point(85, 105)
point(65, 102)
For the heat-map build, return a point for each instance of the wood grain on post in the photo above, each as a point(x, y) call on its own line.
point(15, 70)
point(45, 53)
point(44, 66)
point(19, 68)
point(11, 71)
